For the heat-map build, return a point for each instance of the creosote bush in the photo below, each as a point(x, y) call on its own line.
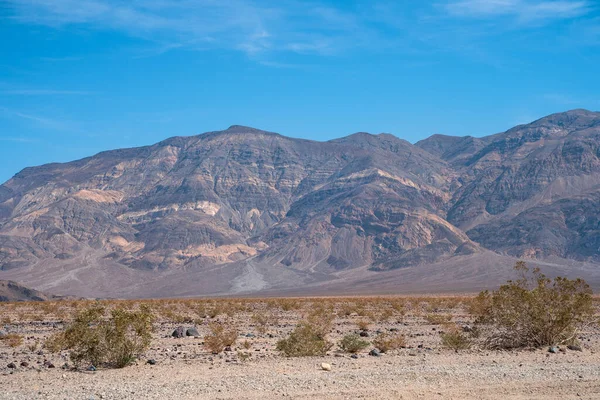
point(385, 342)
point(112, 342)
point(220, 337)
point(534, 311)
point(352, 343)
point(305, 340)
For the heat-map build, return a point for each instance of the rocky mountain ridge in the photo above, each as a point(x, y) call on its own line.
point(244, 200)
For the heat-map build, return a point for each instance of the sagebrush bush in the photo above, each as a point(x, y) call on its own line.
point(534, 311)
point(112, 342)
point(352, 343)
point(305, 340)
point(220, 337)
point(385, 342)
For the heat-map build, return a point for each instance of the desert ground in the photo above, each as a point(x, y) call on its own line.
point(421, 365)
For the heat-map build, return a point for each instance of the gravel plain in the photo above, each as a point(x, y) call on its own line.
point(185, 369)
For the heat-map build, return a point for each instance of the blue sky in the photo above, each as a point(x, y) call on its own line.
point(81, 76)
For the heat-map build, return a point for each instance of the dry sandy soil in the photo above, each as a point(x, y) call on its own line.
point(185, 369)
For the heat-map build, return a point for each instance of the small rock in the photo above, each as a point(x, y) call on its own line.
point(151, 361)
point(364, 334)
point(3, 333)
point(192, 332)
point(354, 356)
point(326, 367)
point(467, 328)
point(91, 368)
point(574, 347)
point(179, 332)
point(48, 364)
point(393, 329)
point(12, 365)
point(412, 354)
point(375, 353)
point(24, 364)
point(228, 348)
point(553, 349)
point(249, 335)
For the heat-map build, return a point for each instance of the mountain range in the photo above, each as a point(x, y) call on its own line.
point(245, 211)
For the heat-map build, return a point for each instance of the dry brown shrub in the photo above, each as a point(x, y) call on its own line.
point(12, 340)
point(454, 338)
point(438, 319)
point(385, 342)
point(363, 324)
point(263, 321)
point(220, 337)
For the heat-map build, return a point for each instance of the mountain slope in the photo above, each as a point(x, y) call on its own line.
point(245, 210)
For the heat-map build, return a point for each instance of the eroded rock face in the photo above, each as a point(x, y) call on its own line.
point(532, 191)
point(320, 207)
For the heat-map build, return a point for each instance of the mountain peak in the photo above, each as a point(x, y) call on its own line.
point(245, 129)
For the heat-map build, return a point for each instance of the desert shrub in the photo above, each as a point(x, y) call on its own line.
point(346, 309)
point(399, 307)
point(321, 317)
point(243, 357)
point(220, 337)
point(534, 311)
point(305, 340)
point(112, 342)
point(352, 343)
point(438, 319)
point(262, 321)
point(33, 346)
point(12, 339)
point(363, 324)
point(454, 338)
point(385, 342)
point(289, 304)
point(385, 314)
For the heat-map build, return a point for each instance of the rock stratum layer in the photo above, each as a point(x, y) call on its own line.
point(245, 210)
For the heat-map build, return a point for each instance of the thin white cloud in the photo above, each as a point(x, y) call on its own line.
point(38, 120)
point(249, 26)
point(523, 11)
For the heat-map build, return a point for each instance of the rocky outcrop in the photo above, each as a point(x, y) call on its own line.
point(12, 291)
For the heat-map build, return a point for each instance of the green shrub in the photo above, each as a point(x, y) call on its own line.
point(305, 340)
point(534, 311)
point(112, 342)
point(352, 344)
